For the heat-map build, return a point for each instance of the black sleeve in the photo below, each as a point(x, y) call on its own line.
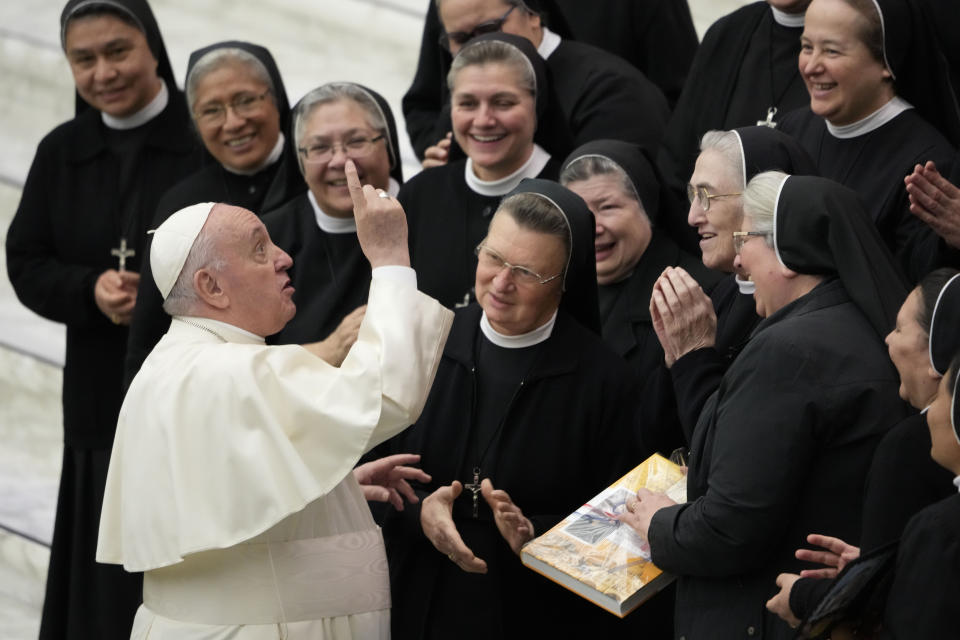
point(805, 595)
point(695, 377)
point(666, 44)
point(423, 102)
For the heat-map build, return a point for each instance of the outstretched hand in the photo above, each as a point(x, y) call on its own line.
point(381, 222)
point(515, 528)
point(835, 556)
point(682, 314)
point(385, 479)
point(436, 518)
point(936, 201)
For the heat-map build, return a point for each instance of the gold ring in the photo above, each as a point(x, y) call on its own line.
point(452, 559)
point(114, 318)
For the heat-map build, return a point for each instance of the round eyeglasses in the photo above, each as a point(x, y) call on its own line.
point(243, 105)
point(487, 258)
point(700, 193)
point(461, 38)
point(356, 147)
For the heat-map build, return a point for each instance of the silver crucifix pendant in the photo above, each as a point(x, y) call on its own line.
point(772, 111)
point(474, 488)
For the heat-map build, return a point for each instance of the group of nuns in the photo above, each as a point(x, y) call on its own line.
point(767, 334)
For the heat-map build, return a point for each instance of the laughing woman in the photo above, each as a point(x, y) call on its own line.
point(499, 92)
point(240, 111)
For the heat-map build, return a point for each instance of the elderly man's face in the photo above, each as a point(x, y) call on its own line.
point(254, 278)
point(464, 16)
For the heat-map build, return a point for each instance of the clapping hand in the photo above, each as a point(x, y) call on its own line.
point(515, 528)
point(436, 518)
point(682, 314)
point(936, 201)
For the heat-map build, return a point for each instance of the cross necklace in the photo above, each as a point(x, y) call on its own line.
point(122, 253)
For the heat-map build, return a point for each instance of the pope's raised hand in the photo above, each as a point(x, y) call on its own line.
point(381, 222)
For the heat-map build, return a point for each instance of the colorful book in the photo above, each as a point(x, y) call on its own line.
point(600, 558)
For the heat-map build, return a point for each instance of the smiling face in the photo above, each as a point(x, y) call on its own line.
point(622, 228)
point(112, 65)
point(908, 346)
point(254, 278)
point(758, 262)
point(465, 15)
point(944, 449)
point(512, 307)
point(494, 119)
point(337, 123)
point(845, 81)
point(239, 142)
point(716, 225)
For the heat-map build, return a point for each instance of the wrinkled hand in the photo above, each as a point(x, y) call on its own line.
point(436, 518)
point(336, 346)
point(838, 553)
point(385, 480)
point(516, 529)
point(936, 201)
point(381, 223)
point(437, 155)
point(780, 603)
point(682, 314)
point(115, 293)
point(641, 508)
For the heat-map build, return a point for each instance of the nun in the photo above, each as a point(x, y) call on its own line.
point(499, 99)
point(783, 446)
point(530, 415)
point(702, 335)
point(240, 112)
point(332, 123)
point(881, 102)
point(622, 189)
point(74, 252)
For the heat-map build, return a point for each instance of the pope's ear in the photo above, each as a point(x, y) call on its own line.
point(208, 289)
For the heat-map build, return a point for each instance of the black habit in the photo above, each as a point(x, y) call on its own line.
point(87, 188)
point(267, 189)
point(599, 96)
point(564, 436)
point(447, 220)
point(746, 64)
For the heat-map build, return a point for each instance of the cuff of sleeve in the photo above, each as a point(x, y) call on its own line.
point(397, 274)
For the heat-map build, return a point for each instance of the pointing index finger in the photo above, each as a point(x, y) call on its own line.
point(353, 184)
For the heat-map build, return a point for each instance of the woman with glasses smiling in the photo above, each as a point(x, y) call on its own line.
point(529, 416)
point(240, 111)
point(332, 123)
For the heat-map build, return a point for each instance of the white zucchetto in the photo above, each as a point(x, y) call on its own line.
point(172, 242)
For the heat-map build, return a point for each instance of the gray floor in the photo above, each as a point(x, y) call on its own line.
point(374, 42)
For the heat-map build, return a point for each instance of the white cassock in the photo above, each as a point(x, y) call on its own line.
point(230, 481)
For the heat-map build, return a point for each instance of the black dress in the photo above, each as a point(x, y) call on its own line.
point(746, 64)
point(88, 187)
point(447, 219)
point(564, 435)
point(874, 165)
point(781, 450)
point(628, 329)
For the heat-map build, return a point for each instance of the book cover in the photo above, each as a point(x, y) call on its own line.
point(596, 556)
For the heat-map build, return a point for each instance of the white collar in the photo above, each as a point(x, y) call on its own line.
point(154, 108)
point(530, 169)
point(223, 330)
point(784, 19)
point(548, 43)
point(528, 339)
point(872, 122)
point(956, 482)
point(747, 287)
point(334, 224)
point(273, 157)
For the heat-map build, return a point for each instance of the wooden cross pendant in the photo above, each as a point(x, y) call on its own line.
point(474, 488)
point(123, 253)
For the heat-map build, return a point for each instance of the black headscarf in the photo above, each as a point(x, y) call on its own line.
point(821, 228)
point(921, 72)
point(141, 14)
point(553, 131)
point(945, 326)
point(580, 279)
point(393, 141)
point(635, 162)
point(766, 149)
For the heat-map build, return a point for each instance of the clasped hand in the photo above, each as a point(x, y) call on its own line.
point(436, 518)
point(115, 293)
point(682, 315)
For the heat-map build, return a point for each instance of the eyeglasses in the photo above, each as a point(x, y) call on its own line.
point(700, 193)
point(353, 148)
point(244, 105)
point(463, 37)
point(490, 259)
point(740, 238)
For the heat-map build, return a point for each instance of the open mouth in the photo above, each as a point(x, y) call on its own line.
point(487, 139)
point(238, 142)
point(603, 250)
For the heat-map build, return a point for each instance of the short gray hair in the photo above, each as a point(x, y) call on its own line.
point(586, 167)
point(214, 60)
point(727, 144)
point(335, 92)
point(760, 201)
point(494, 52)
point(182, 299)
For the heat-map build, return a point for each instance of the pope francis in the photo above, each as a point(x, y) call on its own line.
point(230, 481)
